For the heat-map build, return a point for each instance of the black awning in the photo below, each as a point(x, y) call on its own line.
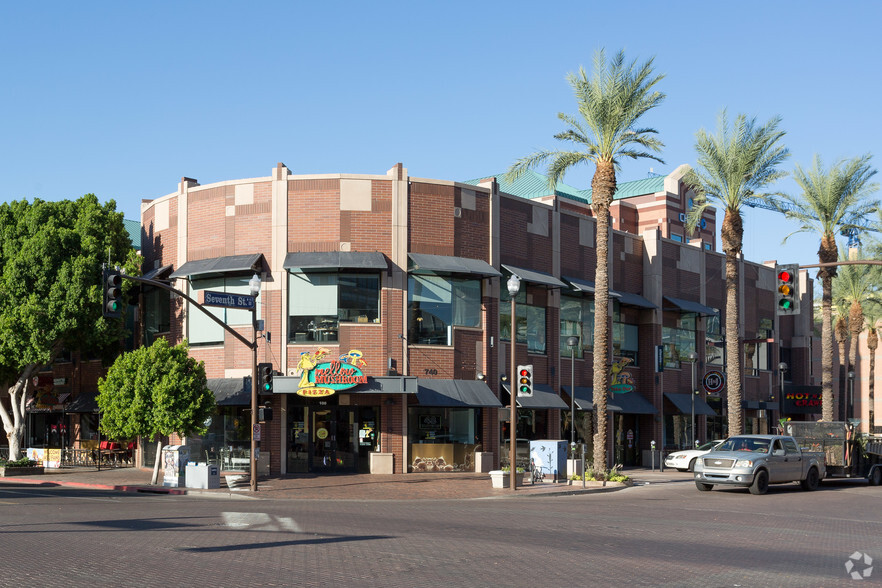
point(423, 262)
point(332, 260)
point(683, 402)
point(535, 277)
point(585, 399)
point(220, 265)
point(544, 397)
point(586, 286)
point(158, 273)
point(633, 300)
point(455, 393)
point(633, 403)
point(85, 402)
point(689, 306)
point(231, 391)
point(385, 385)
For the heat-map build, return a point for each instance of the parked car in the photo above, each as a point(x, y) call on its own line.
point(755, 461)
point(684, 460)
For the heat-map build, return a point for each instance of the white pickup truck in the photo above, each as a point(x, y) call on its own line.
point(755, 461)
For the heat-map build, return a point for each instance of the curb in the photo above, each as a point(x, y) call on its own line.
point(85, 485)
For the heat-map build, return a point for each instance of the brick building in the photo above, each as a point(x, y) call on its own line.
point(402, 279)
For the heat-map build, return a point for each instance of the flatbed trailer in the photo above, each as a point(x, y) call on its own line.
point(848, 454)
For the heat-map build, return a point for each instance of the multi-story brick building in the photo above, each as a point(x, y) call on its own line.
point(404, 279)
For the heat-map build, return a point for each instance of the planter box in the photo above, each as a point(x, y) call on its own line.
point(500, 479)
point(381, 463)
point(604, 484)
point(14, 472)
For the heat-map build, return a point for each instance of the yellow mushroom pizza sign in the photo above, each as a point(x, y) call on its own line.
point(324, 378)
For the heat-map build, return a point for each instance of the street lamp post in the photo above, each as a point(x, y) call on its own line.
point(782, 367)
point(693, 357)
point(572, 342)
point(254, 285)
point(849, 414)
point(514, 286)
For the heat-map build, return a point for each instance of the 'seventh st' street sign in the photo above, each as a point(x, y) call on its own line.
point(228, 300)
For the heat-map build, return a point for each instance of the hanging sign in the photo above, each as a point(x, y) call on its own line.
point(621, 380)
point(324, 378)
point(713, 381)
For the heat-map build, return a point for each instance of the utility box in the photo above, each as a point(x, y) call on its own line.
point(550, 457)
point(203, 475)
point(174, 460)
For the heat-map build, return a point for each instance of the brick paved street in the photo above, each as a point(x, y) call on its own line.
point(665, 533)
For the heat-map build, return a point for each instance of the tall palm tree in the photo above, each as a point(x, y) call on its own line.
point(736, 163)
point(840, 331)
point(611, 103)
point(873, 316)
point(832, 200)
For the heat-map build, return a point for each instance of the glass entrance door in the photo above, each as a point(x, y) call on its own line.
point(334, 439)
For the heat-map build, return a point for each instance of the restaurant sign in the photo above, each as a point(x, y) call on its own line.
point(802, 400)
point(324, 378)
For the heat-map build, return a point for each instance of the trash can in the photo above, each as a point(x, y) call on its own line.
point(203, 475)
point(174, 460)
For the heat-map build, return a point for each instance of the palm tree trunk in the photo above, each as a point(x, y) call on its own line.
point(856, 325)
point(731, 235)
point(603, 186)
point(827, 348)
point(872, 344)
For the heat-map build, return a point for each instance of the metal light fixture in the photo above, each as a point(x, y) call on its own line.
point(693, 357)
point(254, 285)
point(514, 286)
point(849, 415)
point(782, 367)
point(571, 343)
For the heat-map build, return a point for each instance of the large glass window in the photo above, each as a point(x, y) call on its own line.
point(443, 439)
point(436, 304)
point(757, 353)
point(318, 302)
point(204, 331)
point(625, 341)
point(157, 313)
point(715, 347)
point(576, 318)
point(529, 321)
point(679, 341)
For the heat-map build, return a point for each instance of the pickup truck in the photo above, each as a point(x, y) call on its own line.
point(755, 461)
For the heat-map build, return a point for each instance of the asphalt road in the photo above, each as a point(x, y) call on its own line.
point(656, 535)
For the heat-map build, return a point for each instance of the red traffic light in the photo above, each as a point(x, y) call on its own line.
point(784, 276)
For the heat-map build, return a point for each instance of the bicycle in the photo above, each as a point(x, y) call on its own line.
point(538, 474)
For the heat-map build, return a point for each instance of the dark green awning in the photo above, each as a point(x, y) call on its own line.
point(332, 260)
point(535, 277)
point(683, 402)
point(543, 397)
point(220, 265)
point(455, 393)
point(423, 262)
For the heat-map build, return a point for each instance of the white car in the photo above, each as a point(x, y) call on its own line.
point(684, 459)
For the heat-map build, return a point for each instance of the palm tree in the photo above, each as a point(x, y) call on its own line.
point(872, 314)
point(611, 103)
point(733, 165)
point(840, 331)
point(832, 200)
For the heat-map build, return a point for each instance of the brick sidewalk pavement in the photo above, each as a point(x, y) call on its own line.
point(337, 486)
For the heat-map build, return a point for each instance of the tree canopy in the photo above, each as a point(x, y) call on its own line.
point(156, 390)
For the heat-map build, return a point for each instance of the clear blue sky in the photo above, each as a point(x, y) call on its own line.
point(122, 99)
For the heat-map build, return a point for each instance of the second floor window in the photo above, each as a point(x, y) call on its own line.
point(436, 304)
point(318, 302)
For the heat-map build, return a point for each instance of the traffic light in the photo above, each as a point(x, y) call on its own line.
point(265, 413)
point(112, 286)
point(265, 377)
point(787, 289)
point(525, 380)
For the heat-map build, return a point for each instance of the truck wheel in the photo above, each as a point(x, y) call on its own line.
point(811, 480)
point(704, 487)
point(876, 476)
point(760, 483)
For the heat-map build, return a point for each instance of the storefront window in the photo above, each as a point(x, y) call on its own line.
point(228, 439)
point(443, 439)
point(203, 330)
point(576, 318)
point(319, 302)
point(529, 321)
point(679, 341)
point(625, 341)
point(714, 344)
point(157, 313)
point(757, 353)
point(436, 304)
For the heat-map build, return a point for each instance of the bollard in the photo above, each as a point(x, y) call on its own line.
point(583, 465)
point(652, 453)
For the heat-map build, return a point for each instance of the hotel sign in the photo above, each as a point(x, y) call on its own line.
point(324, 378)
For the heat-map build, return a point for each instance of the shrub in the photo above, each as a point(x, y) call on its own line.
point(19, 463)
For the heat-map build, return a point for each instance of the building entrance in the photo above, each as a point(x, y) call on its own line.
point(331, 439)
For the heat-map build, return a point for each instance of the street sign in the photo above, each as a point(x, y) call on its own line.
point(228, 300)
point(256, 432)
point(713, 381)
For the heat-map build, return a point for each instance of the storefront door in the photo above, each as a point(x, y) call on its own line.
point(333, 439)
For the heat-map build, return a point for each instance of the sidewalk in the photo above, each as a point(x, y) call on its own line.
point(336, 486)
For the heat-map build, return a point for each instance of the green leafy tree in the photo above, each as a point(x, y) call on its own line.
point(156, 390)
point(736, 163)
point(50, 291)
point(611, 103)
point(832, 200)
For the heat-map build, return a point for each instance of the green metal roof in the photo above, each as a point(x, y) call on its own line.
point(134, 230)
point(532, 184)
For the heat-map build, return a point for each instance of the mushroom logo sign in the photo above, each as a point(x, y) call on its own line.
point(324, 378)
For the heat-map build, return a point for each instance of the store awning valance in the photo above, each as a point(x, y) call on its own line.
point(220, 265)
point(85, 402)
point(386, 385)
point(455, 393)
point(633, 403)
point(231, 391)
point(683, 402)
point(759, 405)
point(333, 260)
point(688, 306)
point(424, 262)
point(585, 399)
point(535, 277)
point(543, 397)
point(633, 300)
point(158, 273)
point(586, 286)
